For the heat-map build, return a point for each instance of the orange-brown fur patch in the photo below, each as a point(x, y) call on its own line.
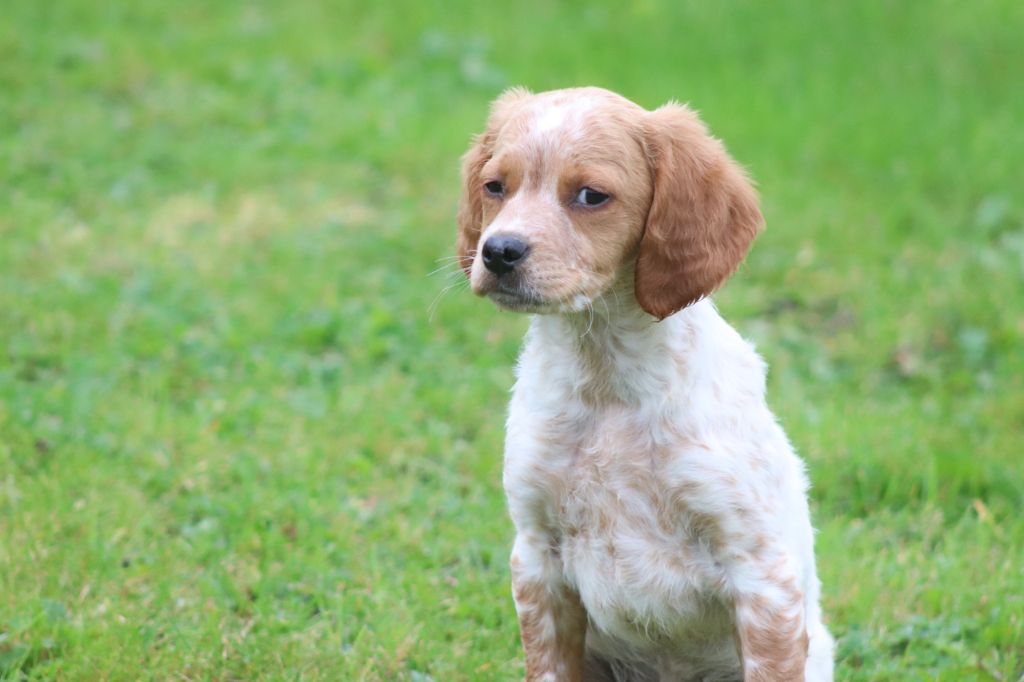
point(552, 626)
point(703, 217)
point(773, 638)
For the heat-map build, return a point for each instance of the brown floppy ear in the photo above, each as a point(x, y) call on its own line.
point(703, 216)
point(470, 218)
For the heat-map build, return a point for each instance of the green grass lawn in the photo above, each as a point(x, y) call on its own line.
point(234, 444)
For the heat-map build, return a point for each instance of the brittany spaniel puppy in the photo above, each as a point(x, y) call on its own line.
point(662, 527)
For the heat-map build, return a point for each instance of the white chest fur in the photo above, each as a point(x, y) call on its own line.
point(644, 455)
point(604, 494)
point(629, 541)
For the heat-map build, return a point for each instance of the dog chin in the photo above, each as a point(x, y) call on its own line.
point(520, 303)
point(516, 295)
point(524, 303)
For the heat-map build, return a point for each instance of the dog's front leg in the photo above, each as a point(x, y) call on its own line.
point(552, 621)
point(771, 631)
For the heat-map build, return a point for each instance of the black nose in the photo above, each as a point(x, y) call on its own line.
point(501, 254)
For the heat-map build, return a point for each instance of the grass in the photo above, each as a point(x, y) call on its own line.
point(234, 444)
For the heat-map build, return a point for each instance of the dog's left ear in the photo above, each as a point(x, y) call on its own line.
point(704, 214)
point(470, 218)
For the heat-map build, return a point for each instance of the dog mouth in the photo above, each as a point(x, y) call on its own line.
point(520, 301)
point(516, 300)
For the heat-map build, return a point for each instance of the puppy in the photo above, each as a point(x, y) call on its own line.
point(662, 527)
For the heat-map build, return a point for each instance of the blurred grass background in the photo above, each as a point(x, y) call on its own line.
point(233, 443)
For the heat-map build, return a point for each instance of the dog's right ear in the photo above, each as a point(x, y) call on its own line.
point(470, 219)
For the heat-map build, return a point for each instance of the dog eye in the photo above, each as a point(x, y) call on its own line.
point(591, 197)
point(495, 188)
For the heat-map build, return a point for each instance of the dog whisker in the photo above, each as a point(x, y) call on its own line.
point(590, 323)
point(469, 254)
point(448, 268)
point(432, 308)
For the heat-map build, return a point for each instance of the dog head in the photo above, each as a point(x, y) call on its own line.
point(566, 189)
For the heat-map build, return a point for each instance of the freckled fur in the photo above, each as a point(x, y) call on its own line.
point(662, 524)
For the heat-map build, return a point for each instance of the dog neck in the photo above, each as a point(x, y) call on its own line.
point(613, 352)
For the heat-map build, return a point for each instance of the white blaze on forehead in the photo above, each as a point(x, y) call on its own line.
point(551, 124)
point(549, 117)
